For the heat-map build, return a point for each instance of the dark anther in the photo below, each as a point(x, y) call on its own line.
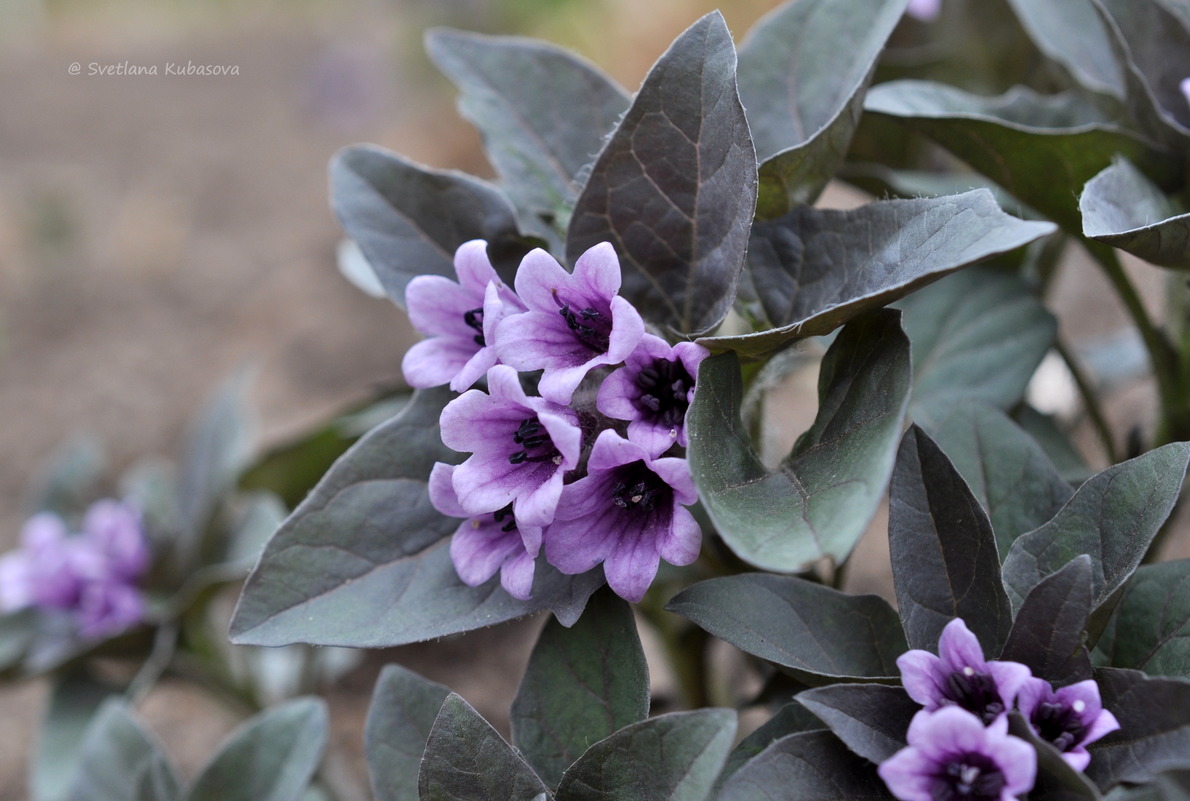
point(1059, 724)
point(590, 326)
point(474, 319)
point(975, 692)
point(531, 436)
point(638, 488)
point(503, 513)
point(971, 777)
point(664, 388)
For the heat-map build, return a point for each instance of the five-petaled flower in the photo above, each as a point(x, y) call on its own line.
point(521, 448)
point(489, 542)
point(460, 320)
point(952, 756)
point(627, 512)
point(574, 323)
point(652, 391)
point(1068, 718)
point(960, 676)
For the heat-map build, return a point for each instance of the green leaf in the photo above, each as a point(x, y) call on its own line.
point(1049, 630)
point(409, 220)
point(944, 558)
point(674, 189)
point(271, 757)
point(812, 630)
point(816, 763)
point(792, 718)
point(1057, 142)
point(1112, 517)
point(1008, 472)
point(673, 757)
point(400, 718)
point(1154, 733)
point(467, 760)
point(582, 684)
point(364, 561)
point(521, 95)
point(1071, 33)
point(74, 701)
point(803, 72)
point(120, 761)
point(870, 718)
point(819, 500)
point(976, 335)
point(1150, 628)
point(815, 269)
point(1124, 209)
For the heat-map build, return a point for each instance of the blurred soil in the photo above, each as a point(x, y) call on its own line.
point(157, 232)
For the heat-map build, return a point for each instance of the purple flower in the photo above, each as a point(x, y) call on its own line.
point(575, 322)
point(114, 531)
point(652, 391)
point(459, 319)
point(952, 756)
point(1068, 718)
point(521, 447)
point(486, 543)
point(924, 10)
point(1185, 87)
point(960, 676)
point(627, 513)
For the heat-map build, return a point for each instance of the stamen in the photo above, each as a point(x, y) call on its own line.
point(664, 388)
point(590, 326)
point(531, 436)
point(474, 319)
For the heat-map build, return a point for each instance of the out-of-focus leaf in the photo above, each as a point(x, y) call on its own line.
point(816, 763)
point(1150, 629)
point(977, 335)
point(1154, 733)
point(792, 718)
point(1057, 142)
point(1071, 33)
point(674, 189)
point(409, 220)
point(810, 629)
point(364, 562)
point(673, 757)
point(814, 269)
point(521, 95)
point(467, 760)
point(73, 703)
point(819, 500)
point(68, 482)
point(1056, 780)
point(1124, 209)
point(870, 718)
point(1048, 632)
point(120, 761)
point(583, 683)
point(943, 551)
point(271, 757)
point(1171, 785)
point(400, 718)
point(16, 633)
point(1112, 517)
point(803, 72)
point(1046, 432)
point(1009, 473)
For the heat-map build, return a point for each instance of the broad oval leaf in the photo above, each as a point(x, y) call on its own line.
point(409, 220)
point(582, 684)
point(1154, 733)
point(819, 500)
point(944, 559)
point(1057, 142)
point(467, 760)
point(1150, 628)
point(400, 718)
point(1048, 633)
point(870, 718)
point(364, 560)
point(120, 761)
point(793, 718)
point(1071, 33)
point(521, 95)
point(814, 269)
point(673, 757)
point(803, 72)
point(1124, 209)
point(812, 630)
point(1113, 517)
point(674, 189)
point(271, 757)
point(816, 763)
point(75, 699)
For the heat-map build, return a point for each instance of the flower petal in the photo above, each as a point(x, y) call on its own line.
point(923, 676)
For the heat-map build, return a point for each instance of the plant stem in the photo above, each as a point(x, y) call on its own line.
point(1090, 401)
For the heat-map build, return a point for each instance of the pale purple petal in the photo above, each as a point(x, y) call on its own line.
point(114, 530)
point(473, 267)
point(478, 550)
point(536, 506)
point(611, 450)
point(627, 330)
point(631, 567)
point(475, 368)
point(959, 648)
point(924, 10)
point(923, 676)
point(908, 774)
point(1103, 724)
point(107, 608)
point(1185, 86)
point(516, 576)
point(442, 491)
point(436, 306)
point(435, 361)
point(16, 582)
point(597, 270)
point(683, 542)
point(1009, 676)
point(538, 278)
point(676, 472)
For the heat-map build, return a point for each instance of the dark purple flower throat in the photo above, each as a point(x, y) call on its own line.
point(1059, 723)
point(967, 777)
point(664, 391)
point(639, 489)
point(535, 442)
point(590, 326)
point(976, 692)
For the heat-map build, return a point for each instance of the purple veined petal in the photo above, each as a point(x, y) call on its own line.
point(531, 537)
point(435, 361)
point(923, 677)
point(442, 491)
point(908, 774)
point(538, 278)
point(959, 648)
point(631, 566)
point(683, 543)
point(485, 483)
point(473, 268)
point(611, 450)
point(559, 384)
point(1032, 692)
point(566, 436)
point(479, 548)
point(584, 527)
point(16, 582)
point(654, 438)
point(475, 417)
point(597, 270)
point(615, 395)
point(1103, 724)
point(1016, 758)
point(475, 368)
point(436, 305)
point(516, 576)
point(537, 506)
point(627, 330)
point(676, 473)
point(499, 302)
point(1009, 676)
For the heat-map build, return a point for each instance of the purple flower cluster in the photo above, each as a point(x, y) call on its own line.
point(959, 746)
point(89, 576)
point(587, 482)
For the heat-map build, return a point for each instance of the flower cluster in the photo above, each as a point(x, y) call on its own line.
point(550, 469)
point(89, 576)
point(959, 746)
